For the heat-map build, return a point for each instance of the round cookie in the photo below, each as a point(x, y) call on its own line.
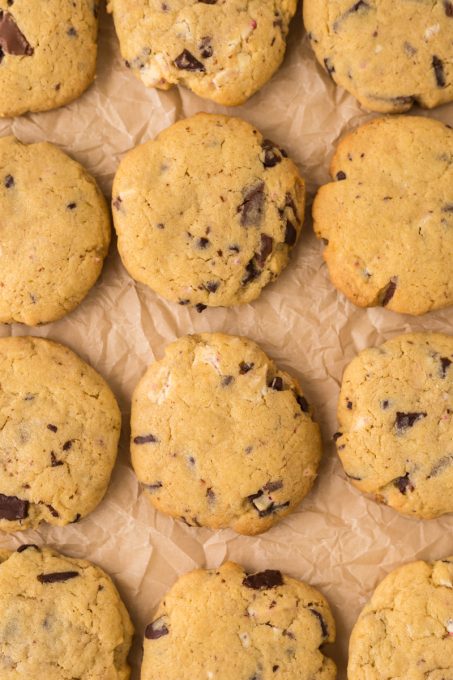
point(208, 212)
point(387, 220)
point(389, 55)
point(395, 414)
point(47, 53)
point(406, 629)
point(228, 625)
point(59, 431)
point(60, 618)
point(54, 232)
point(223, 50)
point(221, 437)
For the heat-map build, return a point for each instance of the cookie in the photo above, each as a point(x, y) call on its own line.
point(395, 415)
point(387, 219)
point(223, 50)
point(389, 55)
point(60, 618)
point(229, 625)
point(406, 629)
point(47, 53)
point(221, 437)
point(59, 431)
point(54, 232)
point(208, 212)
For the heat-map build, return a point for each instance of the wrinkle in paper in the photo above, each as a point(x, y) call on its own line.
point(338, 540)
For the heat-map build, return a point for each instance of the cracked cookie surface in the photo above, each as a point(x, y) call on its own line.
point(59, 431)
point(228, 625)
point(208, 212)
point(387, 220)
point(221, 437)
point(223, 50)
point(389, 55)
point(47, 53)
point(406, 629)
point(54, 232)
point(395, 415)
point(60, 618)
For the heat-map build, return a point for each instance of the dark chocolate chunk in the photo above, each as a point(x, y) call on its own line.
point(227, 380)
point(448, 8)
point(57, 576)
point(405, 420)
point(245, 368)
point(210, 495)
point(208, 2)
point(275, 668)
point(340, 175)
point(8, 181)
point(265, 250)
point(273, 486)
point(349, 405)
point(146, 439)
point(12, 40)
point(389, 291)
point(72, 206)
point(25, 546)
point(205, 47)
point(276, 384)
point(337, 435)
point(438, 66)
point(52, 511)
point(303, 403)
point(156, 630)
point(200, 307)
point(76, 519)
point(403, 484)
point(71, 32)
point(183, 302)
point(234, 248)
point(445, 362)
point(271, 578)
point(252, 207)
point(447, 208)
point(252, 272)
point(212, 286)
point(322, 623)
point(13, 508)
point(290, 233)
point(54, 461)
point(53, 428)
point(441, 465)
point(187, 62)
point(272, 155)
point(385, 404)
point(67, 445)
point(202, 243)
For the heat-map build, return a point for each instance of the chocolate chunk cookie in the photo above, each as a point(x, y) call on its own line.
point(54, 232)
point(387, 219)
point(47, 53)
point(406, 629)
point(60, 619)
point(208, 212)
point(221, 437)
point(224, 50)
point(228, 625)
point(395, 417)
point(389, 55)
point(59, 430)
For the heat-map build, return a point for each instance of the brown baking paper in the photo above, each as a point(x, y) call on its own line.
point(338, 540)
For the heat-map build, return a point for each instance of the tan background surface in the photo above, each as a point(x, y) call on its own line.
point(339, 541)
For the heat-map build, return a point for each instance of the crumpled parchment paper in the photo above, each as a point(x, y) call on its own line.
point(338, 540)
